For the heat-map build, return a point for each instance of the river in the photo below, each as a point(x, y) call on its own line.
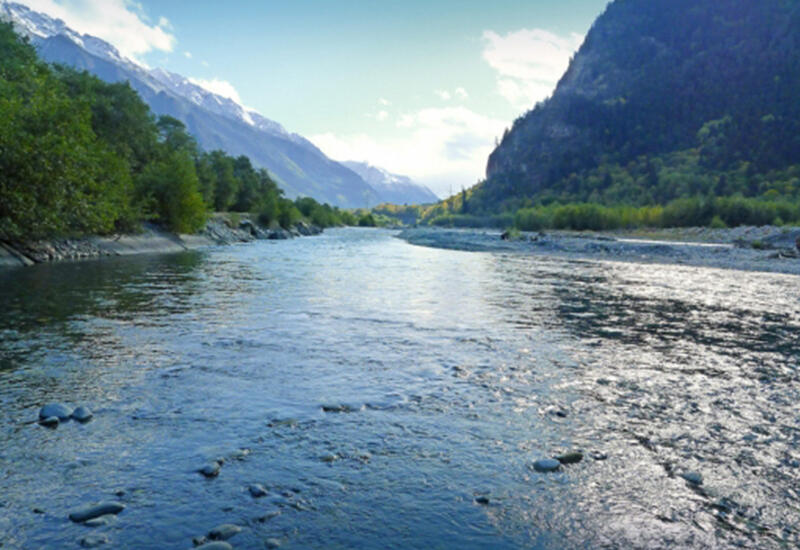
point(394, 396)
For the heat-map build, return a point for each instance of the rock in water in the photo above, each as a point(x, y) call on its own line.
point(218, 545)
point(91, 512)
point(693, 477)
point(93, 541)
point(49, 422)
point(547, 465)
point(224, 532)
point(59, 410)
point(211, 470)
point(82, 414)
point(258, 491)
point(570, 458)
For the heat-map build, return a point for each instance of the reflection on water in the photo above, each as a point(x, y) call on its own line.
point(444, 374)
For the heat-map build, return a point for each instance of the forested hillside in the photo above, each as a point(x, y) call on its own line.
point(666, 100)
point(79, 156)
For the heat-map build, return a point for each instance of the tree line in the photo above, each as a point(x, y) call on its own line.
point(82, 156)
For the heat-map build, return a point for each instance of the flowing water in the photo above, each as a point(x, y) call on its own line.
point(392, 396)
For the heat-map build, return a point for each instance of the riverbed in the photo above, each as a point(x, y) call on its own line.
point(387, 395)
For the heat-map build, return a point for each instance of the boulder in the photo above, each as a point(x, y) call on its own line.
point(546, 465)
point(82, 414)
point(59, 410)
point(95, 511)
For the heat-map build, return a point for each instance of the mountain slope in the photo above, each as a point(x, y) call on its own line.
point(719, 78)
point(216, 122)
point(392, 188)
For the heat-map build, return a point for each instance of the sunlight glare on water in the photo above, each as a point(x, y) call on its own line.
point(392, 396)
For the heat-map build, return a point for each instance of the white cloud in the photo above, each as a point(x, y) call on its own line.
point(187, 55)
point(219, 87)
point(444, 148)
point(385, 102)
point(381, 116)
point(119, 22)
point(461, 93)
point(529, 62)
point(443, 95)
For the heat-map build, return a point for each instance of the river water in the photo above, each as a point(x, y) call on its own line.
point(377, 389)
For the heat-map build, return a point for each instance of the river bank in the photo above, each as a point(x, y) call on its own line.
point(766, 249)
point(222, 229)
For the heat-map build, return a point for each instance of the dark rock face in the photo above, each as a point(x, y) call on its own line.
point(648, 77)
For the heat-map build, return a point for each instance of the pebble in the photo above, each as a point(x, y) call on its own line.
point(270, 515)
point(570, 458)
point(59, 410)
point(91, 512)
point(100, 521)
point(216, 545)
point(547, 465)
point(329, 457)
point(258, 491)
point(273, 543)
point(50, 422)
point(211, 470)
point(82, 414)
point(224, 531)
point(693, 477)
point(93, 541)
point(482, 500)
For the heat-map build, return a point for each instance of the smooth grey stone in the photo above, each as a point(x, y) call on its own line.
point(59, 410)
point(211, 470)
point(101, 521)
point(693, 477)
point(50, 422)
point(82, 414)
point(224, 531)
point(547, 465)
point(91, 512)
point(199, 541)
point(329, 457)
point(93, 541)
point(273, 543)
point(570, 458)
point(217, 545)
point(258, 491)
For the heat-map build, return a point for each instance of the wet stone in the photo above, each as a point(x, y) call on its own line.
point(82, 414)
point(211, 470)
point(50, 422)
point(546, 465)
point(483, 500)
point(91, 512)
point(257, 491)
point(693, 477)
point(570, 458)
point(329, 458)
point(224, 532)
point(93, 541)
point(216, 545)
point(59, 410)
point(273, 543)
point(101, 521)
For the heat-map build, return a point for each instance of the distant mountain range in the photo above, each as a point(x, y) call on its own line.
point(392, 188)
point(217, 122)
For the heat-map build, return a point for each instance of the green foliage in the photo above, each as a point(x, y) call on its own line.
point(172, 186)
point(367, 220)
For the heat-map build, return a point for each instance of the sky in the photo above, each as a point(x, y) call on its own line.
point(422, 88)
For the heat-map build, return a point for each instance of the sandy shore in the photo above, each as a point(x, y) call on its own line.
point(769, 249)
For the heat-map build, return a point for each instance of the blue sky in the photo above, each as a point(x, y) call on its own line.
point(421, 88)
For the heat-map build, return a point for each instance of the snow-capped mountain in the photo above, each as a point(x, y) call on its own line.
point(390, 187)
point(217, 122)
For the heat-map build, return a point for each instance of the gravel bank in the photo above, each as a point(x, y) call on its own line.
point(767, 249)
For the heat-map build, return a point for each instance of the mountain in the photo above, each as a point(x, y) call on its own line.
point(216, 122)
point(392, 188)
point(665, 98)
